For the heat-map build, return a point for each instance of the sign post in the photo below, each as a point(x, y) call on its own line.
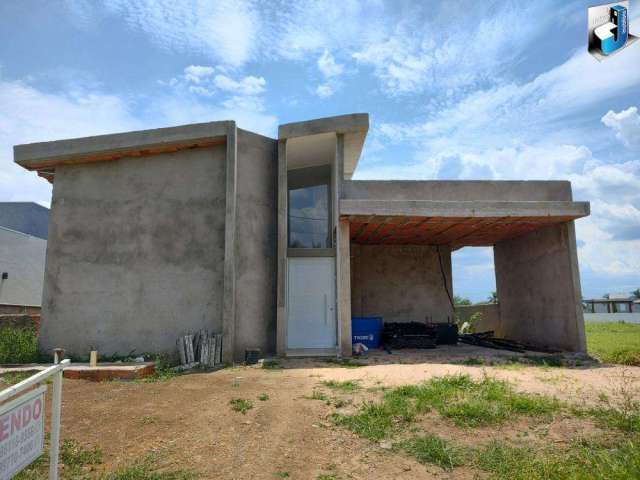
point(22, 422)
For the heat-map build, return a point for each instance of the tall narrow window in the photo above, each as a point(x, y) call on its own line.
point(309, 208)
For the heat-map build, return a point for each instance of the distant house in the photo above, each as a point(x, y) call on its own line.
point(617, 307)
point(23, 245)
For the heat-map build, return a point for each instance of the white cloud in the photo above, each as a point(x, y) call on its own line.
point(626, 124)
point(325, 90)
point(328, 66)
point(29, 115)
point(197, 73)
point(225, 30)
point(249, 85)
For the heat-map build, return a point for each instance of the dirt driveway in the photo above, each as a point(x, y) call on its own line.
point(188, 422)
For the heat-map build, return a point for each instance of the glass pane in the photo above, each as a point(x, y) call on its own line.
point(309, 217)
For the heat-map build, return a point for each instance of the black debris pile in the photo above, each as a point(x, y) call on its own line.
point(418, 335)
point(486, 339)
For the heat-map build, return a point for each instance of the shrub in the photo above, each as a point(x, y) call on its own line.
point(18, 345)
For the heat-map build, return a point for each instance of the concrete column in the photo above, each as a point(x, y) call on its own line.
point(281, 320)
point(538, 286)
point(344, 288)
point(229, 299)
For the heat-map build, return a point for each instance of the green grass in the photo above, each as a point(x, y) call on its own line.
point(18, 345)
point(466, 402)
point(344, 362)
point(271, 365)
point(11, 378)
point(347, 386)
point(317, 395)
point(75, 461)
point(241, 405)
point(263, 397)
point(146, 470)
point(433, 449)
point(614, 342)
point(581, 461)
point(281, 474)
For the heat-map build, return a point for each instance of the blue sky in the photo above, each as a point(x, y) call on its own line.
point(468, 90)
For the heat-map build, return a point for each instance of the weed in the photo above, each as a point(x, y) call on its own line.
point(624, 414)
point(74, 458)
point(281, 474)
point(18, 345)
point(271, 365)
point(344, 362)
point(325, 476)
point(473, 361)
point(165, 370)
point(340, 402)
point(241, 405)
point(147, 470)
point(148, 420)
point(467, 402)
point(346, 386)
point(317, 395)
point(433, 449)
point(263, 397)
point(11, 378)
point(582, 460)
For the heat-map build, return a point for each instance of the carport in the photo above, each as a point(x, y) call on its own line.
point(395, 261)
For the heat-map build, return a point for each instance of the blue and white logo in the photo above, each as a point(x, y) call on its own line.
point(609, 29)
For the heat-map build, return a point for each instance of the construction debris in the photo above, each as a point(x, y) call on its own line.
point(486, 339)
point(202, 349)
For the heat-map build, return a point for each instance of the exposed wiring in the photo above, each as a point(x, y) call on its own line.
point(444, 279)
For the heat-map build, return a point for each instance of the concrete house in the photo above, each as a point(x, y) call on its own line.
point(23, 243)
point(157, 233)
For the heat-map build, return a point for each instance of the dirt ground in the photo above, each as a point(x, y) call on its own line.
point(188, 423)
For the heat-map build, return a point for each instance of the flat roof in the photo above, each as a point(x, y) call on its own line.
point(455, 223)
point(47, 155)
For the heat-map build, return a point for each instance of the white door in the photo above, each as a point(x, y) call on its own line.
point(311, 305)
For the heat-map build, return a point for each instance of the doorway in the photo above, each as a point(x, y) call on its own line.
point(311, 322)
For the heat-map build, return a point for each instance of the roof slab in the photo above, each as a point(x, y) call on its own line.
point(458, 224)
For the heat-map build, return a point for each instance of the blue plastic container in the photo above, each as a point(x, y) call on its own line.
point(366, 330)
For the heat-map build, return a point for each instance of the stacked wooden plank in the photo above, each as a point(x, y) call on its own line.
point(202, 349)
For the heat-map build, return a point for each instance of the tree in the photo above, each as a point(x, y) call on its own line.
point(458, 300)
point(636, 293)
point(493, 298)
point(606, 295)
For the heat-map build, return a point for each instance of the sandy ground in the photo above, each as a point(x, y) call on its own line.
point(188, 423)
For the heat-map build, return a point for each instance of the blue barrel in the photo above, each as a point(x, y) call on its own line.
point(366, 330)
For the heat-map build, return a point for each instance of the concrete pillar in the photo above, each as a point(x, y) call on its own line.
point(344, 288)
point(281, 305)
point(538, 286)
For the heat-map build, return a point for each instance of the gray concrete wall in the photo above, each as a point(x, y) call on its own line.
point(22, 257)
point(400, 283)
point(490, 316)
point(136, 251)
point(538, 288)
point(256, 254)
point(460, 190)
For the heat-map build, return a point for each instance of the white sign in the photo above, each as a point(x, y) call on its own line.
point(21, 432)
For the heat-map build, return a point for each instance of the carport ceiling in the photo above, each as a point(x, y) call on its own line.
point(458, 224)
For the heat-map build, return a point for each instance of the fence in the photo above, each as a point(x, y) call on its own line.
point(54, 372)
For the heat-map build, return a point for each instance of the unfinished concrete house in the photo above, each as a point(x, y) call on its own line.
point(157, 233)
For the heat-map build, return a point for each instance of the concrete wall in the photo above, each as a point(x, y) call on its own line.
point(400, 283)
point(136, 251)
point(490, 319)
point(612, 317)
point(461, 190)
point(256, 235)
point(538, 287)
point(22, 258)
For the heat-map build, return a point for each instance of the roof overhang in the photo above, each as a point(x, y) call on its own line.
point(354, 127)
point(46, 156)
point(459, 224)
